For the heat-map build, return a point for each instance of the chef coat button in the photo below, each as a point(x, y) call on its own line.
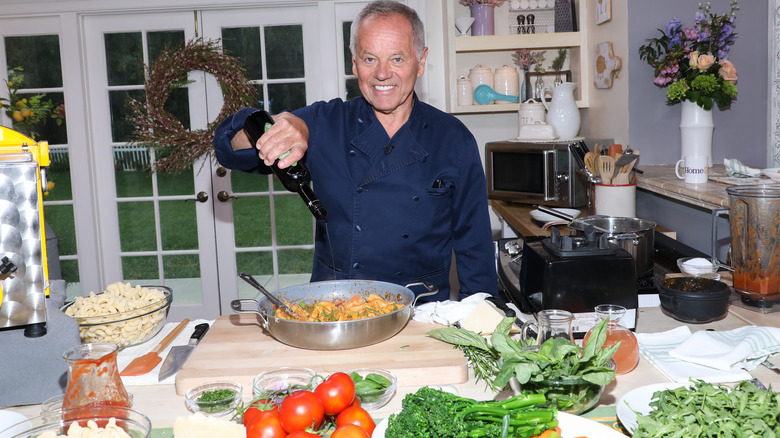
point(359, 190)
point(405, 235)
point(357, 228)
point(416, 198)
point(352, 153)
point(356, 265)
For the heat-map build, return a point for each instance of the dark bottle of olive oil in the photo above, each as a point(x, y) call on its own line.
point(295, 178)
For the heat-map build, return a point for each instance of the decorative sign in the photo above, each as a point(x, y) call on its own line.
point(605, 64)
point(603, 11)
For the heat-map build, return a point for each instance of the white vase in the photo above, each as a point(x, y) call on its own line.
point(562, 112)
point(696, 129)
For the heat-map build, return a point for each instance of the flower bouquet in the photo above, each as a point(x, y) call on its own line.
point(692, 63)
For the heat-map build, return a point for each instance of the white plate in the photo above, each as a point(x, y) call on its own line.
point(772, 172)
point(9, 418)
point(544, 217)
point(639, 400)
point(571, 426)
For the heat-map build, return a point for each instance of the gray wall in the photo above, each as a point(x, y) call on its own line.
point(740, 132)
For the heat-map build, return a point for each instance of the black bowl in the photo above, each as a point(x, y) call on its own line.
point(694, 300)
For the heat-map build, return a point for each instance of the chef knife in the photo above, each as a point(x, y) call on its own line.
point(508, 311)
point(179, 354)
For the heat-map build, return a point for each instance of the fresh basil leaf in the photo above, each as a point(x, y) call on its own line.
point(463, 337)
point(379, 380)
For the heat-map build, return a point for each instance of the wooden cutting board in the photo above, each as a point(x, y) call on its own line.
point(238, 348)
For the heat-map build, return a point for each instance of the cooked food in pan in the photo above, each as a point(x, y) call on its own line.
point(351, 309)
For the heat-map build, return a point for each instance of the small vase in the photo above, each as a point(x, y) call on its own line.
point(539, 88)
point(484, 23)
point(523, 96)
point(557, 81)
point(696, 127)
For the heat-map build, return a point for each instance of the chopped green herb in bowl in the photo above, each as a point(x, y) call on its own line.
point(214, 398)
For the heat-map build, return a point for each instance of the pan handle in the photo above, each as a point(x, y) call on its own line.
point(432, 290)
point(238, 307)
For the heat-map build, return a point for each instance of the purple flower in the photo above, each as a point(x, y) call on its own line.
point(703, 36)
point(673, 27)
point(699, 17)
point(722, 54)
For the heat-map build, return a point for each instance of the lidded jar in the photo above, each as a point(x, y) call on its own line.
point(465, 91)
point(627, 355)
point(93, 377)
point(507, 81)
point(480, 75)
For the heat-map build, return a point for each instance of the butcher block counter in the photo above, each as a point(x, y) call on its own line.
point(413, 357)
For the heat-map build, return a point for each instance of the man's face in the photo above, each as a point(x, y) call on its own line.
point(386, 64)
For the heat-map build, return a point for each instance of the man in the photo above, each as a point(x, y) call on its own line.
point(402, 182)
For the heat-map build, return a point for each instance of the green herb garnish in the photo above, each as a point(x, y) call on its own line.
point(208, 400)
point(496, 362)
point(369, 388)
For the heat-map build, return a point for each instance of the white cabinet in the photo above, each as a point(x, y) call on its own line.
point(465, 52)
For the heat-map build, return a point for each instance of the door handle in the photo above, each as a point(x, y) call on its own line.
point(200, 197)
point(221, 171)
point(224, 196)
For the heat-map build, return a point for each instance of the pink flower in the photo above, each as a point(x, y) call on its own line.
point(706, 61)
point(728, 71)
point(662, 80)
point(690, 34)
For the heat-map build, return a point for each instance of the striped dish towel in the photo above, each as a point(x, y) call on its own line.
point(745, 347)
point(655, 348)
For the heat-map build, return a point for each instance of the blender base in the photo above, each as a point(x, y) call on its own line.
point(759, 306)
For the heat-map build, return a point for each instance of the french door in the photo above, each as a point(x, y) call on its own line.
point(196, 230)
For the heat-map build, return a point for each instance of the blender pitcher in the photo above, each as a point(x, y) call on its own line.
point(754, 222)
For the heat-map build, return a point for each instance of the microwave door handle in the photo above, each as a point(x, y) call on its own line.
point(549, 175)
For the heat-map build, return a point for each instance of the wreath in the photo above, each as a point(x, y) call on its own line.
point(179, 148)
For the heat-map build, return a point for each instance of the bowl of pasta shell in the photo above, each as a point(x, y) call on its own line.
point(123, 314)
point(103, 421)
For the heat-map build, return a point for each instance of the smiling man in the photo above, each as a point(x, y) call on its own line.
point(402, 181)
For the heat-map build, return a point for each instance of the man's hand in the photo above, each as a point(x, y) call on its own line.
point(288, 133)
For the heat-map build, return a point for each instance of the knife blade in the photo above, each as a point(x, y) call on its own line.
point(179, 354)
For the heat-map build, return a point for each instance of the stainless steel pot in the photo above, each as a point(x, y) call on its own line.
point(336, 335)
point(634, 235)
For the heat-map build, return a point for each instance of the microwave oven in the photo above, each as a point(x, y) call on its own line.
point(534, 173)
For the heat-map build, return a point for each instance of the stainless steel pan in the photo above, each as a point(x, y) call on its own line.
point(336, 335)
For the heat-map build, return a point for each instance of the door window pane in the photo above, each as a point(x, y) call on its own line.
point(159, 41)
point(130, 171)
point(258, 264)
point(136, 227)
point(121, 128)
point(58, 173)
point(243, 182)
point(181, 266)
point(139, 268)
point(297, 261)
point(244, 43)
point(286, 97)
point(40, 57)
point(180, 184)
point(124, 58)
point(294, 226)
point(178, 226)
point(347, 33)
point(284, 51)
point(252, 219)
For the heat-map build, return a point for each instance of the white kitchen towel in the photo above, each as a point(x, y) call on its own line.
point(745, 347)
point(448, 312)
point(655, 347)
point(128, 354)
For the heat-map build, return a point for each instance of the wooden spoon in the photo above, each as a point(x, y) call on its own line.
point(607, 168)
point(590, 162)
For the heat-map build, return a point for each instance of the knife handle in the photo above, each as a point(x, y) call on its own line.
point(171, 336)
point(200, 330)
point(508, 311)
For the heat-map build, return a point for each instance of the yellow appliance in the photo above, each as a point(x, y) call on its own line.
point(25, 282)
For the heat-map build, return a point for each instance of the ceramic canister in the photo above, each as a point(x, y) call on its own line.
point(481, 75)
point(506, 82)
point(465, 91)
point(530, 112)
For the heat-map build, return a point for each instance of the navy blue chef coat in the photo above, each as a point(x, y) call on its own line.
point(397, 207)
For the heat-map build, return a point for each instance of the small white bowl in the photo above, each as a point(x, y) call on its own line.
point(216, 407)
point(698, 267)
point(544, 217)
point(772, 173)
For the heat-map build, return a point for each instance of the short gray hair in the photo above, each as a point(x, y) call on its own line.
point(384, 8)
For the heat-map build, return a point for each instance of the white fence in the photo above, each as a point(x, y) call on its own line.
point(127, 158)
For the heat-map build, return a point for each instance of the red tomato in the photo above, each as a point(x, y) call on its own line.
point(303, 434)
point(300, 410)
point(336, 393)
point(350, 431)
point(266, 426)
point(357, 416)
point(256, 414)
point(259, 407)
point(355, 402)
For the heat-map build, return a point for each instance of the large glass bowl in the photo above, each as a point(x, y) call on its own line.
point(134, 423)
point(128, 328)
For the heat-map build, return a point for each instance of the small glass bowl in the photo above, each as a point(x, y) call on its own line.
point(134, 423)
point(706, 270)
point(372, 400)
point(284, 380)
point(217, 407)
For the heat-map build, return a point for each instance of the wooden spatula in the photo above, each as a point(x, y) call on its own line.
point(607, 168)
point(143, 364)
